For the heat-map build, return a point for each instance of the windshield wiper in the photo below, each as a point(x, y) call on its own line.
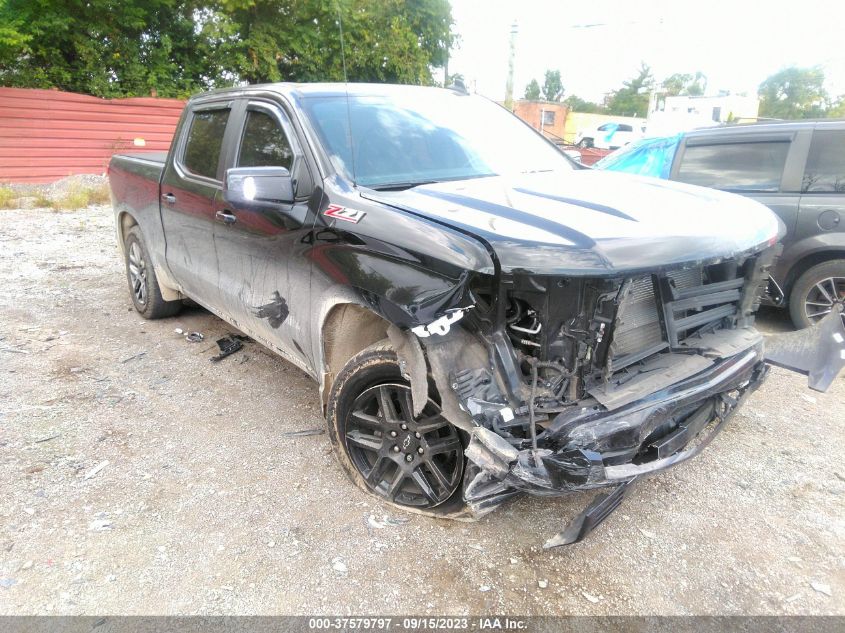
point(402, 186)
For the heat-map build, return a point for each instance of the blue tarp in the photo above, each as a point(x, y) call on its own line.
point(647, 157)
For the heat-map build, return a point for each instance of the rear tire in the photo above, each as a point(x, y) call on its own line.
point(143, 284)
point(415, 462)
point(815, 292)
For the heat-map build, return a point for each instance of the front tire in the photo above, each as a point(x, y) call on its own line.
point(416, 462)
point(816, 291)
point(143, 284)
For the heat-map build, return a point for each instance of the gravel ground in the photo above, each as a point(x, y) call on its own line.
point(136, 477)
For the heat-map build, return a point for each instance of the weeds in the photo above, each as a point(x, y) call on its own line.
point(75, 197)
point(8, 198)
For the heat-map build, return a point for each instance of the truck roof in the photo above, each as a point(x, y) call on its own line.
point(339, 89)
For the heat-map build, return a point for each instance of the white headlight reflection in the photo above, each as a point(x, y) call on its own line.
point(249, 188)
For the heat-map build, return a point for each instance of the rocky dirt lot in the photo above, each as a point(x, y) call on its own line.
point(137, 477)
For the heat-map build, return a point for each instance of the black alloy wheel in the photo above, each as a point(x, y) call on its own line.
point(416, 462)
point(822, 296)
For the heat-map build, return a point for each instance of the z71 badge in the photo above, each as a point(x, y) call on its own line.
point(344, 213)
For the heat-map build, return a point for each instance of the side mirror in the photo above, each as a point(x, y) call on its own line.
point(247, 185)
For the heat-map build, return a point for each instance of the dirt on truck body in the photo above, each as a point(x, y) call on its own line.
point(485, 318)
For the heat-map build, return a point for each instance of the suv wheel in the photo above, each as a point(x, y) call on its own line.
point(143, 285)
point(411, 461)
point(816, 292)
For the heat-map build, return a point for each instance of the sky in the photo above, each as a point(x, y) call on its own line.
point(597, 44)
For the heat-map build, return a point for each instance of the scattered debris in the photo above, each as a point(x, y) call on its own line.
point(590, 597)
point(195, 337)
point(29, 511)
point(793, 597)
point(821, 588)
point(179, 330)
point(304, 433)
point(48, 438)
point(35, 468)
point(14, 350)
point(838, 476)
point(228, 345)
point(514, 561)
point(808, 398)
point(339, 566)
point(27, 565)
point(484, 588)
point(96, 469)
point(133, 357)
point(543, 584)
point(794, 559)
point(476, 546)
point(386, 521)
point(271, 543)
point(99, 525)
point(7, 582)
point(648, 534)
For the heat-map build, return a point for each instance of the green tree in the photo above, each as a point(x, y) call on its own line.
point(793, 93)
point(299, 40)
point(532, 90)
point(837, 108)
point(552, 86)
point(175, 47)
point(577, 104)
point(632, 98)
point(685, 84)
point(109, 47)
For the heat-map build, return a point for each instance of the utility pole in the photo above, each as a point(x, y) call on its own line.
point(509, 85)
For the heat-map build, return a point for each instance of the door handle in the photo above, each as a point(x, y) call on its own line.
point(169, 198)
point(225, 217)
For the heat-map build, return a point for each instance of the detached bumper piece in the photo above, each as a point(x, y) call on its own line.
point(598, 510)
point(818, 351)
point(593, 448)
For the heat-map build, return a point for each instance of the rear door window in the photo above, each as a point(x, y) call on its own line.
point(825, 170)
point(752, 166)
point(205, 139)
point(264, 143)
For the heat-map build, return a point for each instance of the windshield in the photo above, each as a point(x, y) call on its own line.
point(423, 135)
point(650, 157)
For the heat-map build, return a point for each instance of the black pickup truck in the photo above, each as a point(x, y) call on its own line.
point(483, 316)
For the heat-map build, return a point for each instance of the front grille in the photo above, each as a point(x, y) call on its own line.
point(684, 301)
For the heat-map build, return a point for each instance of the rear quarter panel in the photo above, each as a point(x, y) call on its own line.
point(134, 184)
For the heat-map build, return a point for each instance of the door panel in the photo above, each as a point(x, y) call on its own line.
point(264, 272)
point(823, 186)
point(191, 193)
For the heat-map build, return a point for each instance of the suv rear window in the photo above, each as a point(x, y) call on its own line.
point(202, 151)
point(752, 166)
point(825, 171)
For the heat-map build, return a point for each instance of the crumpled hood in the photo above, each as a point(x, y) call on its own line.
point(588, 222)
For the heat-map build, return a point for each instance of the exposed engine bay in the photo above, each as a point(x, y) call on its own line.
point(575, 383)
point(567, 343)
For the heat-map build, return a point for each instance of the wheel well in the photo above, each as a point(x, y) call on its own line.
point(125, 222)
point(806, 263)
point(347, 329)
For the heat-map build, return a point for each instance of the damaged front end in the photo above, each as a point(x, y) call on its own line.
point(566, 384)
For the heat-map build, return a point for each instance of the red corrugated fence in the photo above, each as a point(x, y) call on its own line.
point(47, 134)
